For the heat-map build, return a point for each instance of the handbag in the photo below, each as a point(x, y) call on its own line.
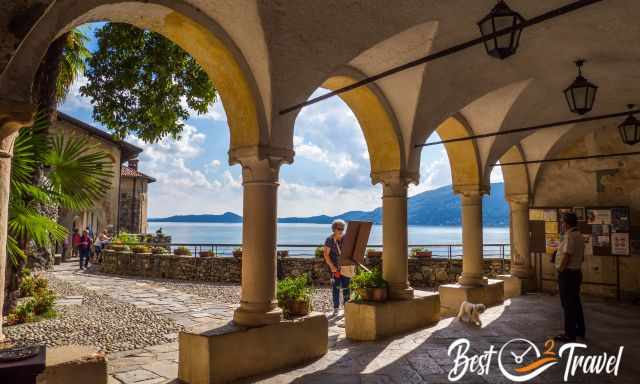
point(345, 270)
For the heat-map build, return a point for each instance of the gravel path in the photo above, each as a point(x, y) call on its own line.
point(100, 321)
point(230, 293)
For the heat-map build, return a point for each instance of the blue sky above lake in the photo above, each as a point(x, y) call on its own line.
point(330, 174)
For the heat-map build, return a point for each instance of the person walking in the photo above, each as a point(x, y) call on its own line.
point(568, 263)
point(75, 242)
point(340, 277)
point(84, 249)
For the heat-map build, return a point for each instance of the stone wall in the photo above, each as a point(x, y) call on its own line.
point(422, 272)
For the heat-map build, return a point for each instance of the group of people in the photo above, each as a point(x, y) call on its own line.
point(84, 245)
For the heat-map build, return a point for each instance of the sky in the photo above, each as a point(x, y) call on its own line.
point(330, 173)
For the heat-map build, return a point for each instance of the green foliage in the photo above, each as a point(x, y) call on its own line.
point(22, 314)
point(415, 250)
point(125, 238)
point(182, 251)
point(294, 289)
point(77, 174)
point(139, 83)
point(30, 285)
point(319, 252)
point(141, 249)
point(159, 250)
point(367, 279)
point(44, 299)
point(73, 62)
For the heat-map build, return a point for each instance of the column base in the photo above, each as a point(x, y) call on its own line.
point(453, 295)
point(512, 285)
point(233, 352)
point(401, 293)
point(247, 318)
point(473, 280)
point(527, 277)
point(74, 364)
point(367, 320)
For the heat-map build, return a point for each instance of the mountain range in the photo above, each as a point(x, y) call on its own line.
point(438, 207)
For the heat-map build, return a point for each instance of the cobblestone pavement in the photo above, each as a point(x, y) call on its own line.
point(418, 357)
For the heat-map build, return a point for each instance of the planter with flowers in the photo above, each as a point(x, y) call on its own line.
point(369, 285)
point(421, 252)
point(294, 295)
point(237, 253)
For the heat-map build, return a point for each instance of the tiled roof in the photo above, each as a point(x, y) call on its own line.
point(130, 172)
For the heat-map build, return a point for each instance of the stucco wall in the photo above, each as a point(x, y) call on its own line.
point(601, 182)
point(133, 205)
point(422, 272)
point(105, 211)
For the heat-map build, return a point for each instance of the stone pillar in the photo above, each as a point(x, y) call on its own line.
point(258, 304)
point(520, 236)
point(394, 238)
point(472, 263)
point(12, 118)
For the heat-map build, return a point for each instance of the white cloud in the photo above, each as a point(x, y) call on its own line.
point(341, 163)
point(496, 175)
point(215, 163)
point(433, 174)
point(75, 101)
point(215, 112)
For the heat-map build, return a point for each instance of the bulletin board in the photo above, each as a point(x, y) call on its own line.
point(607, 231)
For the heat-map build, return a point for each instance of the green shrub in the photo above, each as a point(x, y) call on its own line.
point(367, 279)
point(27, 286)
point(415, 250)
point(22, 314)
point(44, 300)
point(126, 238)
point(140, 249)
point(25, 272)
point(182, 251)
point(159, 250)
point(40, 283)
point(319, 252)
point(294, 289)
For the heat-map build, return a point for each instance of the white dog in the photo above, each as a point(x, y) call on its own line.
point(470, 313)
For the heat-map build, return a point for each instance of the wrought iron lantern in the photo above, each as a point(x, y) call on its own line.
point(501, 17)
point(581, 94)
point(630, 128)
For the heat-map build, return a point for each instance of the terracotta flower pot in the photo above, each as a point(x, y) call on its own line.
point(207, 254)
point(426, 254)
point(237, 254)
point(374, 253)
point(373, 294)
point(297, 308)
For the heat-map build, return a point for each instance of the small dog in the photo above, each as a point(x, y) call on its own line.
point(470, 313)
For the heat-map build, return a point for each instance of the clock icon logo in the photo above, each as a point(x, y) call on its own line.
point(520, 360)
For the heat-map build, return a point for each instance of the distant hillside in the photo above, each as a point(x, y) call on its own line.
point(436, 207)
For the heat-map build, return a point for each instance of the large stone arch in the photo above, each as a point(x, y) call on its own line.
point(376, 119)
point(464, 158)
point(188, 27)
point(516, 177)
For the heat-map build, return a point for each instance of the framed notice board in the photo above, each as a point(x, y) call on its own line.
point(607, 231)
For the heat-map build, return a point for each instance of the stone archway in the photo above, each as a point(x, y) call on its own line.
point(189, 28)
point(463, 155)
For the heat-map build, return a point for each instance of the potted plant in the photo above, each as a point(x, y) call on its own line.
point(421, 252)
point(283, 253)
point(140, 249)
point(207, 254)
point(182, 251)
point(294, 295)
point(237, 253)
point(319, 252)
point(374, 252)
point(369, 285)
point(159, 251)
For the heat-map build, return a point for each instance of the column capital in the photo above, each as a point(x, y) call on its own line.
point(260, 163)
point(394, 183)
point(471, 190)
point(13, 116)
point(518, 198)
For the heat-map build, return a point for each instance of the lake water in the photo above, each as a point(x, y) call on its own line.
point(309, 234)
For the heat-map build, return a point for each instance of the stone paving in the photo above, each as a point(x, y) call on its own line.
point(418, 357)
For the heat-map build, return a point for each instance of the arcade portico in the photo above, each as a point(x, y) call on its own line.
point(267, 56)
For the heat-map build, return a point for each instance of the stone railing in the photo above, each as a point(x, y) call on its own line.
point(423, 272)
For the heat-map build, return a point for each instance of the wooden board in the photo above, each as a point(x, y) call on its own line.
point(354, 243)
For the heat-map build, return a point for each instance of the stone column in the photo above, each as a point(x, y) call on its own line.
point(394, 238)
point(520, 251)
point(472, 263)
point(12, 118)
point(258, 304)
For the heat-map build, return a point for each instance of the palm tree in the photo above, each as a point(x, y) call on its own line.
point(77, 174)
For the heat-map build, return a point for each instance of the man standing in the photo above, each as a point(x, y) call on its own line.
point(568, 263)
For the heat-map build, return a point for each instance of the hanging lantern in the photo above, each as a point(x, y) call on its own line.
point(581, 94)
point(501, 17)
point(630, 128)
